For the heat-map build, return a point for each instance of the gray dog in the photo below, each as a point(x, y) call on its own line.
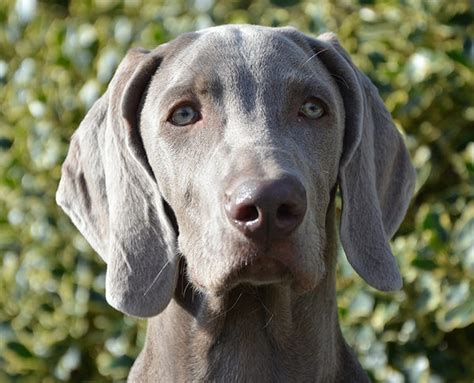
point(212, 162)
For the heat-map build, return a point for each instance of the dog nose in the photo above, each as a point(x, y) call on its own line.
point(266, 209)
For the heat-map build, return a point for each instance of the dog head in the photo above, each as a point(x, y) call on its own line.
point(226, 147)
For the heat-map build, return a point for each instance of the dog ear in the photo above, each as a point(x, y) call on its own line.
point(109, 191)
point(376, 177)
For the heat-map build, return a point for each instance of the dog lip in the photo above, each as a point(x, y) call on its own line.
point(261, 271)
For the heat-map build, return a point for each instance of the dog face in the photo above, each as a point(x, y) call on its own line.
point(244, 134)
point(249, 124)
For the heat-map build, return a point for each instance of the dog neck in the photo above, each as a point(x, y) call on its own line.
point(265, 333)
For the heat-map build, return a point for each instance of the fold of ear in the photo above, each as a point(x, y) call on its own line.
point(375, 173)
point(108, 190)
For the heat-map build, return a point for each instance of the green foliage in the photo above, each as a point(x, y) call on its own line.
point(56, 58)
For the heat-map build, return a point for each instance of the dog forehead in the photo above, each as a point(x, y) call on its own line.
point(245, 38)
point(261, 50)
point(239, 56)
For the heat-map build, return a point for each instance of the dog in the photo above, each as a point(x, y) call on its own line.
point(206, 178)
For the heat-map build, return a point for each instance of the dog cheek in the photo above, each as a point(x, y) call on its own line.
point(310, 249)
point(207, 258)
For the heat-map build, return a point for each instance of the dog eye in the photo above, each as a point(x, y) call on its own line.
point(312, 109)
point(184, 115)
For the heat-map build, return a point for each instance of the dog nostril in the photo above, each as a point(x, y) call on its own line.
point(266, 209)
point(246, 213)
point(286, 212)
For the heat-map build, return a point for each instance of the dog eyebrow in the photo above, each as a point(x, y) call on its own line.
point(306, 79)
point(205, 84)
point(178, 92)
point(297, 83)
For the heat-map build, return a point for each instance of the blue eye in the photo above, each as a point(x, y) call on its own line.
point(312, 109)
point(184, 115)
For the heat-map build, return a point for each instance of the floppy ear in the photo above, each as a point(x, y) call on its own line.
point(375, 173)
point(109, 191)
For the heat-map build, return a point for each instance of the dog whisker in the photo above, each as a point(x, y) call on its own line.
point(186, 65)
point(316, 54)
point(229, 309)
point(267, 310)
point(340, 78)
point(186, 288)
point(268, 322)
point(156, 278)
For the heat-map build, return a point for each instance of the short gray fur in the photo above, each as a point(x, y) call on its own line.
point(148, 197)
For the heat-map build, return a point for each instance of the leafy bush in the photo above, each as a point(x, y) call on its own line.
point(57, 58)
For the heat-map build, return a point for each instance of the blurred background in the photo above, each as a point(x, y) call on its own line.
point(56, 58)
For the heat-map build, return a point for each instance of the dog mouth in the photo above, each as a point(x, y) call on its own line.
point(254, 265)
point(259, 272)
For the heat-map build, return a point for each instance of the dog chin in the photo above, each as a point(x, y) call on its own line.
point(262, 271)
point(274, 264)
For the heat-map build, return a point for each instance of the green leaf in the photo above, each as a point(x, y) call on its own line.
point(424, 264)
point(458, 317)
point(19, 349)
